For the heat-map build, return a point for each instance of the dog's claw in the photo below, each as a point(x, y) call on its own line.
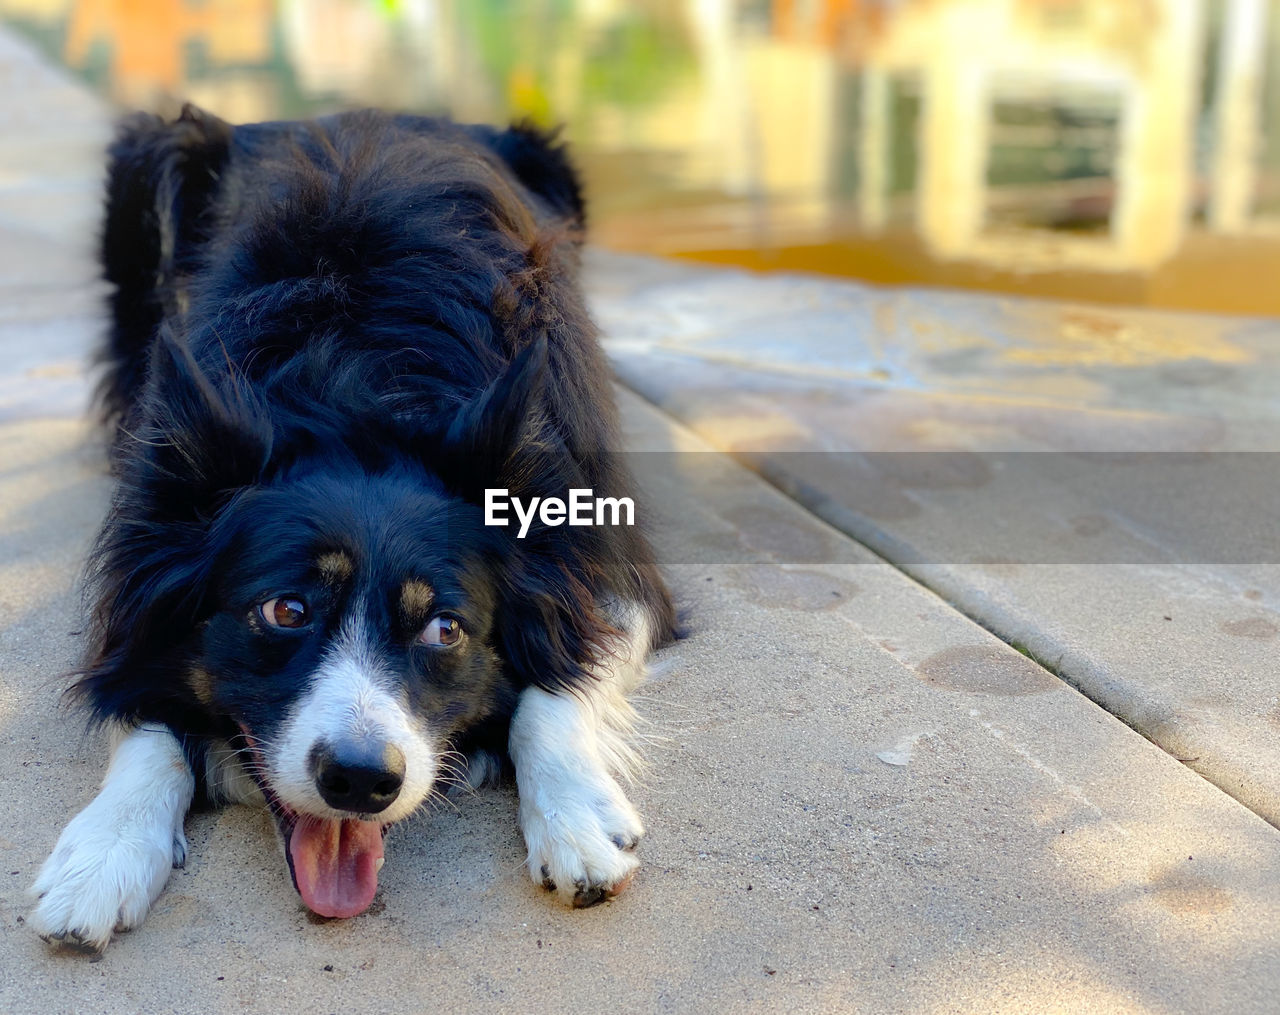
point(587, 895)
point(72, 941)
point(627, 844)
point(547, 883)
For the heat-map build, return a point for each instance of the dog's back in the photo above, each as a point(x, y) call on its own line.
point(350, 221)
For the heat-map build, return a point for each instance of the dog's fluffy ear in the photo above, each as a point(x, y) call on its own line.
point(483, 442)
point(551, 628)
point(161, 177)
point(541, 162)
point(199, 444)
point(191, 449)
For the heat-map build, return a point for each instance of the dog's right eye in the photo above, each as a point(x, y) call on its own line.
point(285, 611)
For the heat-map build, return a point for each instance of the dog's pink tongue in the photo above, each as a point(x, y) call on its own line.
point(335, 864)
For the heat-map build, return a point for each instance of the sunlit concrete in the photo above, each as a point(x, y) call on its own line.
point(1098, 486)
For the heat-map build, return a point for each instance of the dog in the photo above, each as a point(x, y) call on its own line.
point(328, 340)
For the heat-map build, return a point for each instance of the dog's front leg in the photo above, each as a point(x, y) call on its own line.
point(114, 857)
point(569, 749)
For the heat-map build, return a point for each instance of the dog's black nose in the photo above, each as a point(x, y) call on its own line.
point(358, 775)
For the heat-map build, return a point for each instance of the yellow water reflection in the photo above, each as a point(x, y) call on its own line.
point(1115, 150)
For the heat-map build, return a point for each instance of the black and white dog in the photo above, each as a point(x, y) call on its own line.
point(329, 339)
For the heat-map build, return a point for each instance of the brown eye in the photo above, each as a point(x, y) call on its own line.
point(285, 611)
point(443, 631)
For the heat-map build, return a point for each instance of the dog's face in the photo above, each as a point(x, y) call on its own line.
point(350, 638)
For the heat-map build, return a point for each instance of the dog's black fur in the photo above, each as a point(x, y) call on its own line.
point(332, 336)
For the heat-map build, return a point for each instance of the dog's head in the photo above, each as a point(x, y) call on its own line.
point(332, 602)
point(350, 637)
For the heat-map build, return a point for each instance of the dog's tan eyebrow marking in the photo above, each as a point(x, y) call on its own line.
point(416, 598)
point(335, 567)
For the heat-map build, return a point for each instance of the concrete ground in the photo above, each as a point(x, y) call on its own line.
point(1099, 487)
point(862, 795)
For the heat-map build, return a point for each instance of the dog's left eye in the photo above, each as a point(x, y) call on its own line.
point(443, 631)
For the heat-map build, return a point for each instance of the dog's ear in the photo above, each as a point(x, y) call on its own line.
point(161, 177)
point(183, 455)
point(481, 446)
point(541, 162)
point(199, 444)
point(551, 629)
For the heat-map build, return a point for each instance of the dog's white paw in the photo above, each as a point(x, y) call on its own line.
point(114, 857)
point(567, 749)
point(109, 865)
point(582, 833)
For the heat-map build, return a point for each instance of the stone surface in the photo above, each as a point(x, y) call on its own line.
point(52, 134)
point(1097, 486)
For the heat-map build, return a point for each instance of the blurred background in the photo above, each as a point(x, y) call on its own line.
point(1110, 150)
